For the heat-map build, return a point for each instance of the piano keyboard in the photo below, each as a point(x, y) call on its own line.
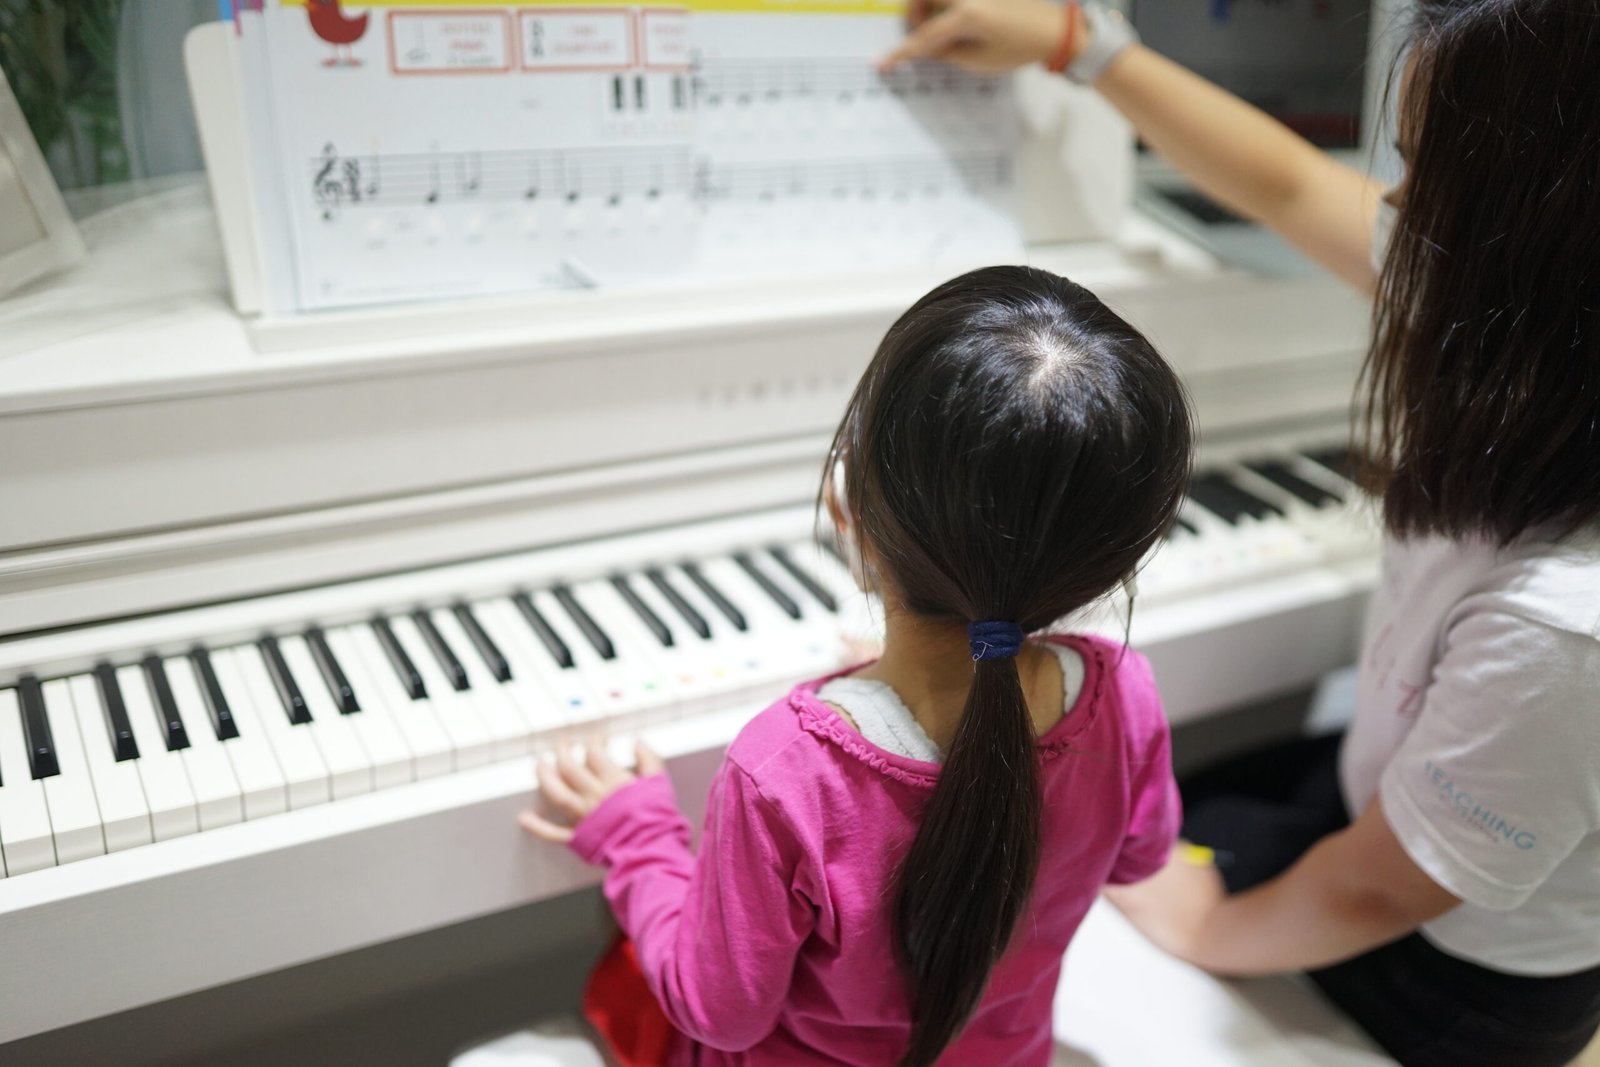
point(383, 683)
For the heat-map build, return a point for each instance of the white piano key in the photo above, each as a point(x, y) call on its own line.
point(124, 814)
point(262, 789)
point(803, 647)
point(374, 724)
point(668, 672)
point(165, 780)
point(633, 661)
point(731, 650)
point(305, 776)
point(26, 843)
point(615, 691)
point(431, 753)
point(74, 815)
point(349, 770)
point(217, 798)
point(551, 698)
point(860, 617)
point(512, 734)
point(469, 738)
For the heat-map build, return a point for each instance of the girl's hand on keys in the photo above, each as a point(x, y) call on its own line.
point(576, 787)
point(987, 36)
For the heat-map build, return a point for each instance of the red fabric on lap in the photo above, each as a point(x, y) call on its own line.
point(620, 1006)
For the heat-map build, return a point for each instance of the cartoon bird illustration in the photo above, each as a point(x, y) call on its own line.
point(331, 24)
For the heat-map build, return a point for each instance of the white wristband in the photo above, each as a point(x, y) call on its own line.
point(1109, 34)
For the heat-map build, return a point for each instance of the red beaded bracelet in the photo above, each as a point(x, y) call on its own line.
point(1063, 53)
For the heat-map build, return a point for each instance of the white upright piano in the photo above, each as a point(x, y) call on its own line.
point(278, 627)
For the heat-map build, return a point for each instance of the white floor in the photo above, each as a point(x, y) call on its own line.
point(1124, 1003)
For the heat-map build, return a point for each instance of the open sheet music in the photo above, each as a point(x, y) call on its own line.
point(414, 150)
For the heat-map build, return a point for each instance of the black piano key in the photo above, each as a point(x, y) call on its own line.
point(155, 679)
point(222, 720)
point(713, 594)
point(651, 620)
point(120, 730)
point(1258, 506)
point(784, 601)
point(344, 697)
point(488, 651)
point(591, 629)
point(404, 669)
point(289, 695)
point(36, 729)
point(1281, 476)
point(546, 633)
point(696, 621)
point(442, 653)
point(1221, 498)
point(1339, 459)
point(806, 579)
point(1184, 524)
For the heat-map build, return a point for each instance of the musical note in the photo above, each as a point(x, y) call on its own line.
point(471, 167)
point(433, 189)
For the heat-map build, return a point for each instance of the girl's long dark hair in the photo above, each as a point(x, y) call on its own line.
point(1012, 452)
point(1483, 383)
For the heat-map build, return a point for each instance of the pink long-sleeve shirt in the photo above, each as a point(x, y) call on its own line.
point(774, 944)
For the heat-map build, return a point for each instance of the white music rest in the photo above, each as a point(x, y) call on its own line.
point(1124, 1003)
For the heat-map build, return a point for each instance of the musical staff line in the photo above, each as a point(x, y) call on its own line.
point(716, 82)
point(900, 176)
point(409, 179)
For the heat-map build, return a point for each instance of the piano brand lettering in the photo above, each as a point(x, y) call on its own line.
point(1467, 807)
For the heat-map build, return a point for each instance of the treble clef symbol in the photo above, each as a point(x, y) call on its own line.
point(327, 189)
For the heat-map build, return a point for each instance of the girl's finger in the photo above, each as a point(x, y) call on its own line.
point(559, 793)
point(647, 761)
point(600, 763)
point(575, 774)
point(539, 826)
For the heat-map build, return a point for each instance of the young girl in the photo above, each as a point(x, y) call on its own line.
point(894, 860)
point(1472, 770)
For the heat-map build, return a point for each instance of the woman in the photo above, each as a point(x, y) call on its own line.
point(1438, 871)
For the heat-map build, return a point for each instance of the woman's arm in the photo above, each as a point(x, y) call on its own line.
point(1353, 891)
point(1235, 153)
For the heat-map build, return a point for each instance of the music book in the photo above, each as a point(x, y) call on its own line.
point(442, 149)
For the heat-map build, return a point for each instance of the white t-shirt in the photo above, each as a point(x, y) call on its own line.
point(1478, 724)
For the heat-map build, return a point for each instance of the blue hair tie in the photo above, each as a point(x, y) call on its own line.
point(994, 639)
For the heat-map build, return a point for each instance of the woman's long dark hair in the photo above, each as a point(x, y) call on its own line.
point(1012, 452)
point(1483, 383)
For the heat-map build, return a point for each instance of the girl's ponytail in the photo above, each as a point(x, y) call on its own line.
point(966, 878)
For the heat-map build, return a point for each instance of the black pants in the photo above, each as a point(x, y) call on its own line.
point(1262, 811)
